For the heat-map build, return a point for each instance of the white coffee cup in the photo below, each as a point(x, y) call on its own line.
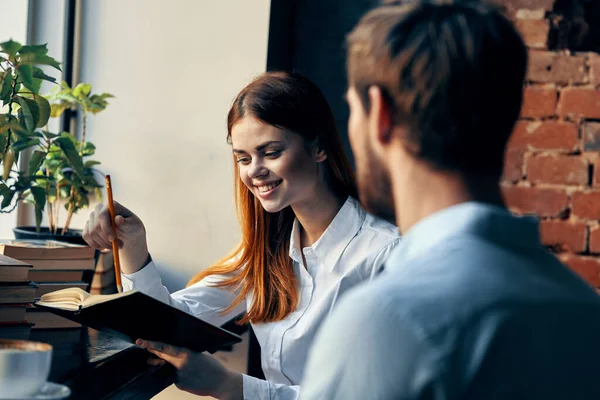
point(24, 367)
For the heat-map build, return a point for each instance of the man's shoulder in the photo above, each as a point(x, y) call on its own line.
point(381, 304)
point(373, 243)
point(380, 227)
point(376, 235)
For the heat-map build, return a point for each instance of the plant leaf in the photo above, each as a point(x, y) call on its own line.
point(35, 87)
point(82, 90)
point(21, 145)
point(39, 73)
point(40, 49)
point(68, 148)
point(50, 135)
point(44, 107)
point(11, 47)
point(11, 125)
point(67, 96)
point(8, 159)
point(88, 149)
point(91, 163)
point(34, 58)
point(98, 102)
point(25, 73)
point(72, 138)
point(35, 134)
point(7, 196)
point(36, 160)
point(3, 138)
point(30, 111)
point(57, 109)
point(6, 88)
point(39, 197)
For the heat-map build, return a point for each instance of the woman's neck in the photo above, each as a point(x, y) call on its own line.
point(315, 214)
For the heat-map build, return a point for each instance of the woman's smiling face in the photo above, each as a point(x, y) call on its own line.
point(280, 168)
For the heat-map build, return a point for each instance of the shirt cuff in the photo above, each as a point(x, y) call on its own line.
point(255, 388)
point(143, 278)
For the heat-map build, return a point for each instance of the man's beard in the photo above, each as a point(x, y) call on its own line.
point(375, 189)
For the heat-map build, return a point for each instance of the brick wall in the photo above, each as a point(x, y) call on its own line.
point(552, 162)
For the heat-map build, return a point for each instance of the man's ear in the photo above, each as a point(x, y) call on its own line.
point(380, 115)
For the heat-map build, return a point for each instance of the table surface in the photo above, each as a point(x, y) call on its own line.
point(95, 365)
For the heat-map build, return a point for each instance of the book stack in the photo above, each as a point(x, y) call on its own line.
point(104, 281)
point(55, 265)
point(16, 295)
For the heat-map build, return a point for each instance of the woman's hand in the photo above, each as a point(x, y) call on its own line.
point(198, 373)
point(98, 233)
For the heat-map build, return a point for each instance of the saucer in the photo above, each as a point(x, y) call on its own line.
point(49, 391)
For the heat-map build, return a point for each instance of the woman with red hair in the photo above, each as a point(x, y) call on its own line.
point(305, 240)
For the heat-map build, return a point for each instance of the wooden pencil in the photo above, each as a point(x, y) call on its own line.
point(115, 242)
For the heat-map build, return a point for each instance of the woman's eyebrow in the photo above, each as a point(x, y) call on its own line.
point(259, 147)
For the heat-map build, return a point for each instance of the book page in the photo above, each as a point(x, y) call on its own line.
point(73, 297)
point(101, 298)
point(67, 299)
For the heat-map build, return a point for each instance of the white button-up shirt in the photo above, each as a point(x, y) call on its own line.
point(352, 250)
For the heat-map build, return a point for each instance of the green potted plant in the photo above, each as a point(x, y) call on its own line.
point(59, 172)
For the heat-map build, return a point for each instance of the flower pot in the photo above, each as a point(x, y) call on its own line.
point(29, 232)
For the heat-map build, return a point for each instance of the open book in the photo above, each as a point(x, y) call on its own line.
point(132, 315)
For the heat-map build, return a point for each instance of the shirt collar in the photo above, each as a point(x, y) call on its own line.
point(336, 237)
point(486, 221)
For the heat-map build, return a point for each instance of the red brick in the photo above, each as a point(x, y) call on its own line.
point(548, 135)
point(591, 136)
point(595, 239)
point(545, 5)
point(579, 103)
point(545, 66)
point(586, 205)
point(595, 68)
point(564, 235)
point(539, 102)
point(540, 201)
point(534, 32)
point(586, 267)
point(596, 173)
point(558, 169)
point(513, 165)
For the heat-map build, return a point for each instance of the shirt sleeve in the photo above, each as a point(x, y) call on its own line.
point(258, 389)
point(367, 351)
point(200, 299)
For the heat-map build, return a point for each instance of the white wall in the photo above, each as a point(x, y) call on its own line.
point(47, 25)
point(174, 67)
point(14, 20)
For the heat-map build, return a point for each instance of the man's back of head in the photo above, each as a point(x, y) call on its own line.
point(453, 73)
point(448, 77)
